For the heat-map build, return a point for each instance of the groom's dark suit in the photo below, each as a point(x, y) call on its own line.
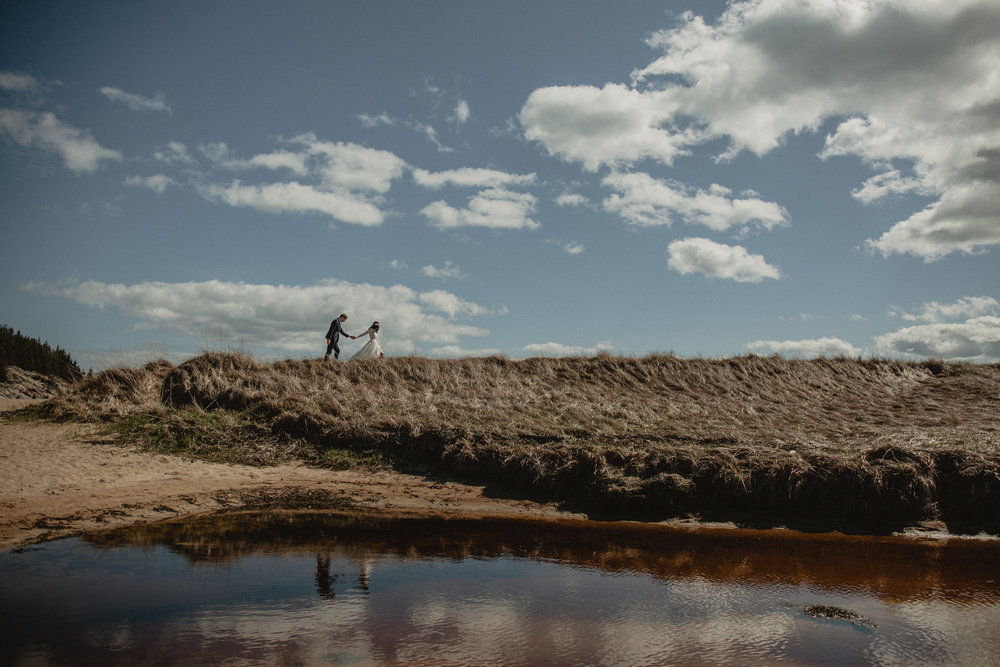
point(333, 335)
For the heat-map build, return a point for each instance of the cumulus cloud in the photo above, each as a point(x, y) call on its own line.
point(174, 151)
point(374, 120)
point(462, 113)
point(457, 352)
point(285, 318)
point(807, 349)
point(552, 349)
point(717, 260)
point(643, 200)
point(573, 248)
point(571, 199)
point(157, 183)
point(135, 102)
point(613, 125)
point(17, 82)
point(451, 305)
point(963, 220)
point(976, 339)
point(343, 180)
point(79, 151)
point(297, 198)
point(914, 83)
point(470, 177)
point(294, 162)
point(220, 155)
point(496, 208)
point(449, 270)
point(345, 165)
point(969, 306)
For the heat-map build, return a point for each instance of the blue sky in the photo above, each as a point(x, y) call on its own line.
point(565, 177)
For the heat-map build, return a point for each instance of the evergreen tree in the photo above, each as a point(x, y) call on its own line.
point(31, 354)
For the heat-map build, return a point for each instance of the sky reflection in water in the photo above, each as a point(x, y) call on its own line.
point(347, 589)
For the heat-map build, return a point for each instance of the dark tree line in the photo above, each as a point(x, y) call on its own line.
point(33, 355)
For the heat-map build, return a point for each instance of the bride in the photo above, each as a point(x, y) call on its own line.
point(372, 349)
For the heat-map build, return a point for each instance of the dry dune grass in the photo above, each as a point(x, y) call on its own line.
point(841, 441)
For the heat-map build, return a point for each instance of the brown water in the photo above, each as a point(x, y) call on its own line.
point(281, 588)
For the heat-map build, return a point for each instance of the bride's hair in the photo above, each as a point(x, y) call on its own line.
point(375, 326)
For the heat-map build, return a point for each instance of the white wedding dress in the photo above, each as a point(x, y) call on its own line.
point(372, 349)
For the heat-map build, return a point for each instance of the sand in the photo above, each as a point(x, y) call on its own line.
point(58, 480)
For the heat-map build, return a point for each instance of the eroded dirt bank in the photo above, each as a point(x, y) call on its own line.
point(65, 479)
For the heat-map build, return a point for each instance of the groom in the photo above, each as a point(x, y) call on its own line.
point(333, 337)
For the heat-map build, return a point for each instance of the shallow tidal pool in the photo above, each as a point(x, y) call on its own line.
point(351, 589)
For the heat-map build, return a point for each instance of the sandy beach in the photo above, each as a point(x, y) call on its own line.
point(64, 479)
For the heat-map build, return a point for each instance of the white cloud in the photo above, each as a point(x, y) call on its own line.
point(717, 260)
point(342, 180)
point(644, 200)
point(446, 302)
point(16, 82)
point(886, 184)
point(969, 306)
point(157, 183)
point(222, 156)
point(427, 130)
point(431, 134)
point(571, 199)
point(174, 151)
point(287, 318)
point(370, 120)
point(135, 102)
point(297, 198)
point(456, 352)
point(345, 165)
point(462, 112)
point(552, 349)
point(79, 151)
point(219, 154)
point(977, 338)
point(294, 162)
point(963, 220)
point(496, 208)
point(449, 270)
point(914, 81)
point(573, 248)
point(807, 349)
point(613, 125)
point(470, 177)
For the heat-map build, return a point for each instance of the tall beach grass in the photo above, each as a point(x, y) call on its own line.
point(873, 444)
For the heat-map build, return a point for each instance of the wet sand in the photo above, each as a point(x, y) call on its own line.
point(65, 479)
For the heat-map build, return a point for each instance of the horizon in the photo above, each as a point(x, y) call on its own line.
point(565, 178)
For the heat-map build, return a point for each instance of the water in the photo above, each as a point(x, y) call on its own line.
point(314, 589)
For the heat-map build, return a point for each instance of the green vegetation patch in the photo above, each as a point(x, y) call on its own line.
point(347, 459)
point(221, 436)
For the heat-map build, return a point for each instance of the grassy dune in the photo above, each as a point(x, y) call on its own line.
point(866, 444)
